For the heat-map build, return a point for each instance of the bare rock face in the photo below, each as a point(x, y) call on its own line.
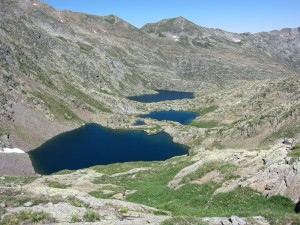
point(270, 172)
point(281, 176)
point(16, 164)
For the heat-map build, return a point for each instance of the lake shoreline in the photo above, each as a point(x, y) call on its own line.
point(93, 144)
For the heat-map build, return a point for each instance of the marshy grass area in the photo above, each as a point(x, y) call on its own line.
point(206, 110)
point(205, 124)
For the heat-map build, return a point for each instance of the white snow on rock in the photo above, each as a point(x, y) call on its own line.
point(176, 38)
point(11, 150)
point(236, 40)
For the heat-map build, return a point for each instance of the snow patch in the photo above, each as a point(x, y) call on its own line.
point(11, 150)
point(35, 4)
point(95, 32)
point(176, 38)
point(236, 40)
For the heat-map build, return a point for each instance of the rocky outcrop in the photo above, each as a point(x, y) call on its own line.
point(235, 220)
point(280, 175)
point(79, 184)
point(108, 212)
point(269, 171)
point(132, 172)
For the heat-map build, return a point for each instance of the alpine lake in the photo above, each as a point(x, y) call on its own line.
point(93, 144)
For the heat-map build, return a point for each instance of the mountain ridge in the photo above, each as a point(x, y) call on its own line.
point(216, 28)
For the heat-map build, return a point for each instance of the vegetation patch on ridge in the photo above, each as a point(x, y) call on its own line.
point(84, 47)
point(85, 98)
point(56, 107)
point(295, 152)
point(28, 217)
point(207, 110)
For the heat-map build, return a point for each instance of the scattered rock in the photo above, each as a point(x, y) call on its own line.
point(129, 192)
point(261, 220)
point(211, 176)
point(237, 221)
point(234, 220)
point(132, 171)
point(27, 204)
point(119, 196)
point(107, 192)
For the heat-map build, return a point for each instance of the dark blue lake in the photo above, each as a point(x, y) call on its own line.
point(95, 145)
point(178, 116)
point(163, 95)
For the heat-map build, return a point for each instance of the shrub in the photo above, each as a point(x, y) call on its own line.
point(75, 219)
point(91, 216)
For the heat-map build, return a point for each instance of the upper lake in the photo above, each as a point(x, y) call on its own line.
point(93, 144)
point(163, 95)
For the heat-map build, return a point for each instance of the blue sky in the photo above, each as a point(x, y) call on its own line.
point(231, 15)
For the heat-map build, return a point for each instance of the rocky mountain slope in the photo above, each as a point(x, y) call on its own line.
point(60, 68)
point(282, 45)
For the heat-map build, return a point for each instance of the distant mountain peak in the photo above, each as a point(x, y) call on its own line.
point(175, 28)
point(171, 23)
point(180, 19)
